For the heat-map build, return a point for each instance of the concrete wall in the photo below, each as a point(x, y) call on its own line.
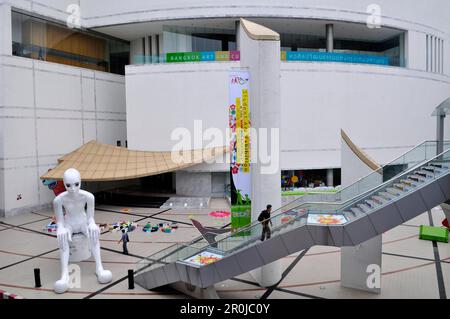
point(353, 169)
point(162, 98)
point(46, 111)
point(386, 109)
point(193, 184)
point(355, 260)
point(431, 14)
point(55, 9)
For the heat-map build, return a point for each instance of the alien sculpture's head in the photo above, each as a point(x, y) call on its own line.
point(72, 180)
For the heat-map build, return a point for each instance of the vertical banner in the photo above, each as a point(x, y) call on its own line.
point(239, 121)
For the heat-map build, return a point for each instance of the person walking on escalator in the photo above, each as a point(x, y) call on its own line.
point(264, 219)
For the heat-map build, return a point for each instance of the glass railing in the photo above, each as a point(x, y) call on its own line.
point(443, 158)
point(281, 223)
point(171, 254)
point(420, 153)
point(296, 214)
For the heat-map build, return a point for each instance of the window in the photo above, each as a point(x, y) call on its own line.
point(39, 39)
point(197, 39)
point(434, 54)
point(390, 48)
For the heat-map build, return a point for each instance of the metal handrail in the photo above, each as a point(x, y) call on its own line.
point(354, 199)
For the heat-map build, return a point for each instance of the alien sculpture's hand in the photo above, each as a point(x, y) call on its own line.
point(64, 236)
point(94, 233)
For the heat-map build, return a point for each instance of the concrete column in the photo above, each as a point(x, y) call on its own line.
point(358, 263)
point(402, 53)
point(5, 29)
point(260, 54)
point(361, 266)
point(330, 177)
point(237, 28)
point(137, 51)
point(440, 133)
point(5, 49)
point(330, 37)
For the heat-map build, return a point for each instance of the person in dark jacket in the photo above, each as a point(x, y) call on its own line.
point(264, 218)
point(125, 239)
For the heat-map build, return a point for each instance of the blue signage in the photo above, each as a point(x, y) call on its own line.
point(336, 57)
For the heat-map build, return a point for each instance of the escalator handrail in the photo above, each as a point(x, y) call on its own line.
point(354, 199)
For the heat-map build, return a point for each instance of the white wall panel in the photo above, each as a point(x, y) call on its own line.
point(111, 131)
point(110, 96)
point(162, 98)
point(58, 136)
point(18, 137)
point(61, 95)
point(21, 181)
point(19, 86)
point(57, 90)
point(89, 131)
point(416, 51)
point(88, 94)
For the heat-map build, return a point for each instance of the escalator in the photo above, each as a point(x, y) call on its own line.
point(357, 213)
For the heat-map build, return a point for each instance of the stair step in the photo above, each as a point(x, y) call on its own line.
point(371, 203)
point(424, 173)
point(417, 178)
point(409, 182)
point(379, 200)
point(439, 165)
point(364, 207)
point(349, 215)
point(431, 169)
point(394, 191)
point(402, 187)
point(386, 195)
point(357, 211)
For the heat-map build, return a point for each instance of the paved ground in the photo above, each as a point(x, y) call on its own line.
point(412, 268)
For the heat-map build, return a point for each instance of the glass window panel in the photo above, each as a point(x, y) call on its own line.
point(39, 39)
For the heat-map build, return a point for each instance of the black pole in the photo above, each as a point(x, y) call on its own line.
point(130, 279)
point(37, 278)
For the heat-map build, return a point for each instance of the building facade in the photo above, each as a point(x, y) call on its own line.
point(132, 72)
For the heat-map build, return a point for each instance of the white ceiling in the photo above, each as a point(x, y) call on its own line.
point(342, 30)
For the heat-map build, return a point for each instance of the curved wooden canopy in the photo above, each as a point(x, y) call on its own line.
point(102, 162)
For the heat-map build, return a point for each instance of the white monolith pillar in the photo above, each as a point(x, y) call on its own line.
point(260, 54)
point(360, 264)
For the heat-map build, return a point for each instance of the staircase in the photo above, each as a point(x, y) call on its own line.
point(423, 183)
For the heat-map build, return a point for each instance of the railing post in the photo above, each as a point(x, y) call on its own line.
point(440, 133)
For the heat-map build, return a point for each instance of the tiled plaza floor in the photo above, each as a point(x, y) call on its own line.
point(411, 268)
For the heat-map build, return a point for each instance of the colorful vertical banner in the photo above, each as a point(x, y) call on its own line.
point(239, 121)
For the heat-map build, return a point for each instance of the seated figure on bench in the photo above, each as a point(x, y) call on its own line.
point(78, 206)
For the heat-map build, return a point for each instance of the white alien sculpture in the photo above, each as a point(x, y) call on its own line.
point(77, 219)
